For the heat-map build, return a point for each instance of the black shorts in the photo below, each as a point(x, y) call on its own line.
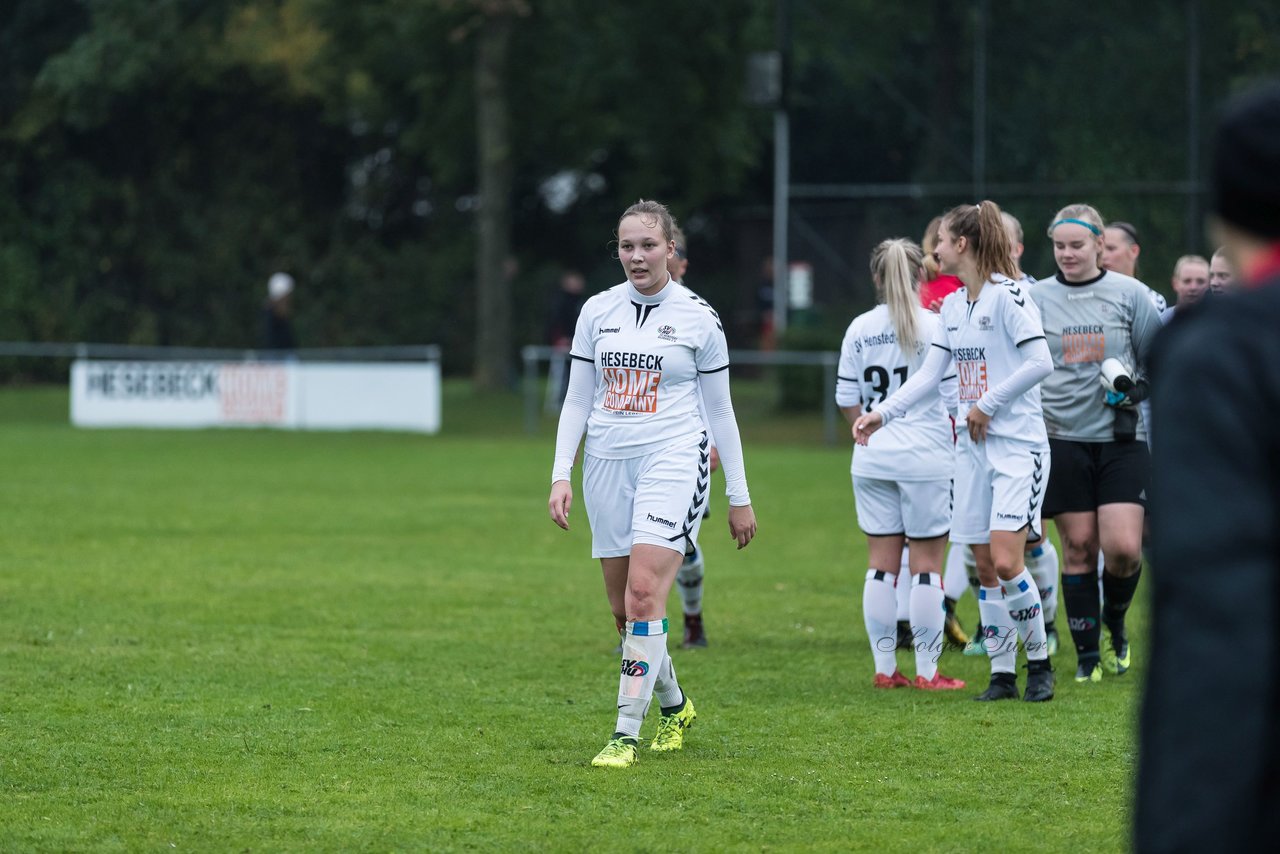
point(1085, 475)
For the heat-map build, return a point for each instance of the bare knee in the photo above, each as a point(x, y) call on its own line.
point(1124, 561)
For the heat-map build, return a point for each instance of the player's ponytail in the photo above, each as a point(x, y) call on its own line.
point(895, 268)
point(982, 226)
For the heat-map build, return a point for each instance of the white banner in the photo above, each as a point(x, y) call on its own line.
point(289, 395)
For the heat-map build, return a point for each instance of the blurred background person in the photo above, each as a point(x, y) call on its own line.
point(1209, 763)
point(1190, 284)
point(562, 316)
point(1120, 249)
point(1222, 276)
point(277, 315)
point(689, 578)
point(1014, 229)
point(936, 284)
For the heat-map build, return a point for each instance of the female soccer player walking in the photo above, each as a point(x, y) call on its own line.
point(642, 353)
point(993, 333)
point(1097, 493)
point(902, 477)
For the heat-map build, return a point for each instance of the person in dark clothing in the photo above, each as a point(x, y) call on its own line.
point(277, 314)
point(566, 305)
point(1209, 763)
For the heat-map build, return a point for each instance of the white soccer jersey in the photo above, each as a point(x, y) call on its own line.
point(917, 446)
point(983, 337)
point(647, 352)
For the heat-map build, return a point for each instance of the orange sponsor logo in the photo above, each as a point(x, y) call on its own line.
point(973, 379)
point(1083, 347)
point(631, 390)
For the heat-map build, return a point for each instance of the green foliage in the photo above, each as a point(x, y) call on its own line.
point(231, 640)
point(160, 158)
point(803, 388)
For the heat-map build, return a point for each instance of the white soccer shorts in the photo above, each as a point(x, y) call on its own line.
point(999, 486)
point(920, 509)
point(656, 499)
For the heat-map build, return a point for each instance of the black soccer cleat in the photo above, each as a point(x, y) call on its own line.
point(1039, 682)
point(694, 635)
point(1004, 686)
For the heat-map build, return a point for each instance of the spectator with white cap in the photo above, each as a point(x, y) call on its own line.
point(277, 314)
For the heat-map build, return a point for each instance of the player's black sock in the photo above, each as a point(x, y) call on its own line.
point(1117, 595)
point(1083, 612)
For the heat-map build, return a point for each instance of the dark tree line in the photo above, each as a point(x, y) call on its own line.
point(423, 167)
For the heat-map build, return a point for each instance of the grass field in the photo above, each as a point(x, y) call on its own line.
point(264, 641)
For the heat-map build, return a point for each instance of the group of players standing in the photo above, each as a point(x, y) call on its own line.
point(976, 413)
point(1043, 382)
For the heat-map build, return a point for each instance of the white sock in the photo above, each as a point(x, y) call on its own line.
point(1042, 563)
point(1023, 601)
point(878, 609)
point(927, 615)
point(903, 590)
point(971, 570)
point(666, 690)
point(1001, 640)
point(954, 577)
point(643, 649)
point(1102, 564)
point(689, 582)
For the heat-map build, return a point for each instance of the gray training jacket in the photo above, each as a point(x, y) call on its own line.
point(1086, 323)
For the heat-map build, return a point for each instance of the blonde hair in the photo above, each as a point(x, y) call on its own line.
point(1092, 220)
point(1085, 213)
point(1188, 259)
point(1011, 222)
point(895, 267)
point(982, 225)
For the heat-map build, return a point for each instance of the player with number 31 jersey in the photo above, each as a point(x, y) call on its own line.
point(919, 446)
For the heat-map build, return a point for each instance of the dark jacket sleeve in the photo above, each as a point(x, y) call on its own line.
point(1208, 757)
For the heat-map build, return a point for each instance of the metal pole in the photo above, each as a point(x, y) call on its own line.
point(829, 363)
point(1194, 235)
point(980, 103)
point(781, 171)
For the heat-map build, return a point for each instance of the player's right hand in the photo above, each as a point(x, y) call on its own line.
point(866, 425)
point(560, 502)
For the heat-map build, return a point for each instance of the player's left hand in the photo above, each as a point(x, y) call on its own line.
point(715, 458)
point(742, 524)
point(977, 421)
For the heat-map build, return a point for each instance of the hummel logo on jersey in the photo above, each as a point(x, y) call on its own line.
point(1012, 517)
point(953, 328)
point(667, 333)
point(631, 667)
point(660, 520)
point(606, 331)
